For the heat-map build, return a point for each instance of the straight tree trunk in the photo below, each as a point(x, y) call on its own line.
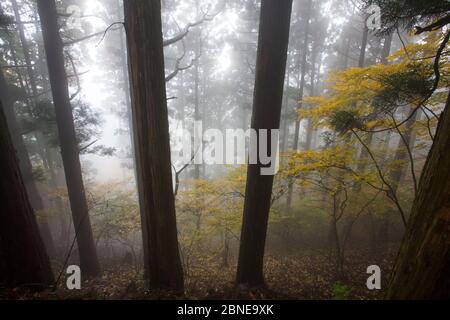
point(309, 127)
point(346, 50)
point(25, 163)
point(26, 51)
point(300, 97)
point(302, 73)
point(197, 116)
point(423, 264)
point(285, 112)
point(23, 259)
point(315, 91)
point(162, 263)
point(362, 53)
point(386, 48)
point(67, 137)
point(126, 83)
point(268, 95)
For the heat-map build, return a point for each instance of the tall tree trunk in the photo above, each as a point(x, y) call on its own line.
point(268, 95)
point(162, 263)
point(386, 48)
point(126, 83)
point(300, 96)
point(26, 167)
point(346, 50)
point(66, 131)
point(285, 112)
point(423, 264)
point(302, 73)
point(24, 261)
point(362, 53)
point(197, 116)
point(361, 64)
point(26, 51)
point(309, 127)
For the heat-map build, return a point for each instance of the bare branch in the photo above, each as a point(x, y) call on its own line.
point(185, 31)
point(390, 193)
point(87, 146)
point(90, 36)
point(433, 89)
point(434, 26)
point(178, 68)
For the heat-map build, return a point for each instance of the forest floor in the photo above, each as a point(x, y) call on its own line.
point(306, 276)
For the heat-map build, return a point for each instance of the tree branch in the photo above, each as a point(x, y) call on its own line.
point(100, 33)
point(187, 28)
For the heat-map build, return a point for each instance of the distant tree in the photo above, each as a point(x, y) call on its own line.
point(268, 95)
point(162, 262)
point(302, 64)
point(67, 137)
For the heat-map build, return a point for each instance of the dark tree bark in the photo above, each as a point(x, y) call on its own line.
point(24, 261)
point(267, 100)
point(162, 263)
point(423, 264)
point(66, 131)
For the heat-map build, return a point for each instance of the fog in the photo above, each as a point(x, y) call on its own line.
point(361, 100)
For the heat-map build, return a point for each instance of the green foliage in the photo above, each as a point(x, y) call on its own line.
point(405, 86)
point(41, 119)
point(345, 120)
point(341, 291)
point(115, 213)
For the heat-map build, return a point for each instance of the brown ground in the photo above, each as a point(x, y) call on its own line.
point(306, 276)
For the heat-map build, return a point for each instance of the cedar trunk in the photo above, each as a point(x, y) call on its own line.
point(23, 259)
point(267, 100)
point(423, 264)
point(302, 66)
point(152, 145)
point(66, 131)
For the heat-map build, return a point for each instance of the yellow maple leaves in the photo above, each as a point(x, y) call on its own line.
point(357, 89)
